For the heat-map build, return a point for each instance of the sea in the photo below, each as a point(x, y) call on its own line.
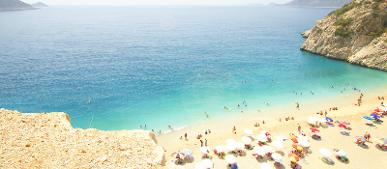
point(124, 67)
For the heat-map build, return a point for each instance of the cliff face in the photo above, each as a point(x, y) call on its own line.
point(13, 5)
point(47, 140)
point(357, 33)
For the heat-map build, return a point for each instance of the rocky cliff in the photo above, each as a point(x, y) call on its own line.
point(39, 5)
point(14, 5)
point(47, 140)
point(357, 33)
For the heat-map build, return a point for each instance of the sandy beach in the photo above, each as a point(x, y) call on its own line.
point(331, 138)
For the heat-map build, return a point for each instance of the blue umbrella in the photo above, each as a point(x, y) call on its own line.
point(368, 118)
point(328, 119)
point(375, 116)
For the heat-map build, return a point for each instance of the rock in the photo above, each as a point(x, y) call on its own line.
point(14, 5)
point(355, 33)
point(37, 143)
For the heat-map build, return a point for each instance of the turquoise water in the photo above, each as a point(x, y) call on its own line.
point(122, 67)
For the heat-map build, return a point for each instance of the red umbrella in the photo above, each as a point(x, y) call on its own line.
point(314, 130)
point(342, 125)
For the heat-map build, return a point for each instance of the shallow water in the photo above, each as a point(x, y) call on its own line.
point(122, 67)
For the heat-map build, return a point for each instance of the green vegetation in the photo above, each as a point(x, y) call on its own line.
point(343, 22)
point(343, 32)
point(376, 33)
point(344, 9)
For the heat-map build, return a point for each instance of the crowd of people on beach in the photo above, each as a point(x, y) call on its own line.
point(300, 142)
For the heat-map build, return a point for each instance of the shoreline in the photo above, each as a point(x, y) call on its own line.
point(221, 128)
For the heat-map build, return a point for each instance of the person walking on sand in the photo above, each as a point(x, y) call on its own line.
point(299, 128)
point(234, 130)
point(205, 142)
point(185, 136)
point(201, 143)
point(298, 106)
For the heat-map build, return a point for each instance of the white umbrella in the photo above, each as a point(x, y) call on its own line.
point(186, 152)
point(247, 140)
point(204, 150)
point(341, 153)
point(248, 132)
point(220, 149)
point(204, 164)
point(266, 166)
point(240, 146)
point(278, 144)
point(312, 120)
point(230, 159)
point(277, 157)
point(230, 141)
point(260, 151)
point(304, 143)
point(261, 138)
point(231, 145)
point(325, 152)
point(267, 149)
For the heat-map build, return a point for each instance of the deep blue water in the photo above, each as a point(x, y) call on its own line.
point(120, 67)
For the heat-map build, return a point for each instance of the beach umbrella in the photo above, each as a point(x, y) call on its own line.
point(204, 164)
point(360, 138)
point(220, 149)
point(341, 153)
point(267, 149)
point(261, 138)
point(277, 157)
point(325, 152)
point(378, 109)
point(248, 132)
point(186, 152)
point(343, 125)
point(259, 151)
point(266, 166)
point(375, 116)
point(230, 141)
point(204, 150)
point(368, 118)
point(311, 121)
point(314, 130)
point(382, 141)
point(231, 145)
point(304, 143)
point(240, 146)
point(328, 119)
point(230, 159)
point(278, 144)
point(247, 140)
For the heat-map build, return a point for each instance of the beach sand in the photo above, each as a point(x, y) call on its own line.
point(221, 130)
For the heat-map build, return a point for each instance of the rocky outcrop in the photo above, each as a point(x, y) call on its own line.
point(39, 5)
point(14, 5)
point(356, 33)
point(47, 140)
